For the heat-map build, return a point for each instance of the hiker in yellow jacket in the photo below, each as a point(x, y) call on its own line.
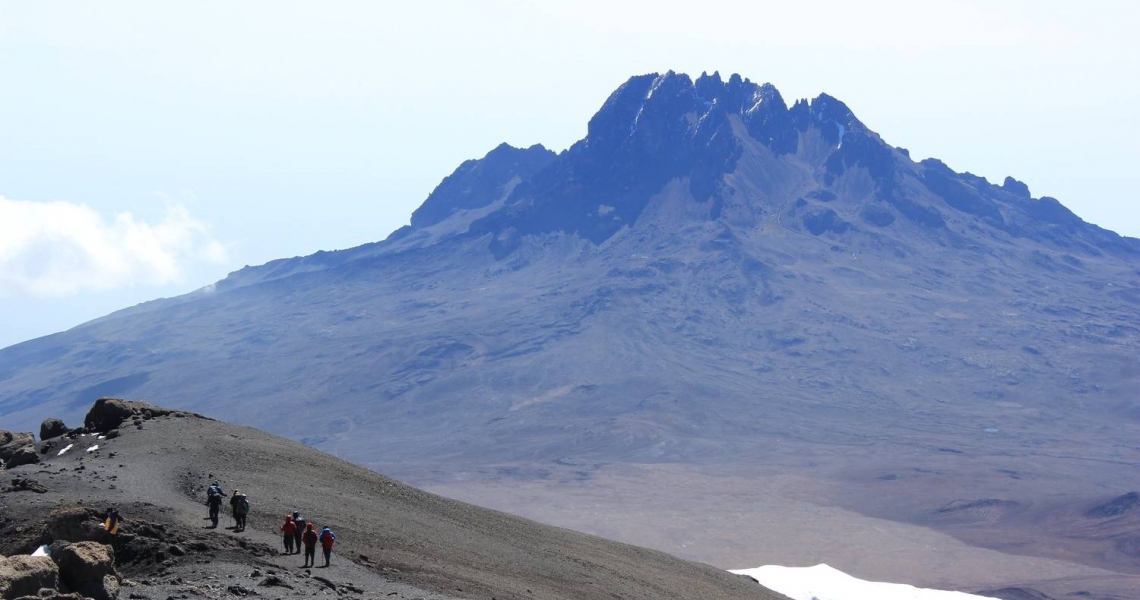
point(111, 525)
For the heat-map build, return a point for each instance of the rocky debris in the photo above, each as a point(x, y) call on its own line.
point(17, 449)
point(23, 484)
point(26, 575)
point(274, 581)
point(74, 524)
point(88, 568)
point(47, 594)
point(324, 581)
point(52, 428)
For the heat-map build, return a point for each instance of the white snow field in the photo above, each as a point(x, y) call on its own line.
point(822, 582)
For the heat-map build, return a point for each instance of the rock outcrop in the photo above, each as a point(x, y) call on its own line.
point(52, 428)
point(26, 576)
point(89, 569)
point(24, 484)
point(18, 449)
point(74, 524)
point(110, 413)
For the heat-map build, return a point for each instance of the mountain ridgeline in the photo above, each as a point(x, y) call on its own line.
point(710, 276)
point(661, 128)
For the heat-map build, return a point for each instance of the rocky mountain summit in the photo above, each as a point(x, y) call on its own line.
point(709, 278)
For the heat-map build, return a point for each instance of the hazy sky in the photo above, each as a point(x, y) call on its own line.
point(149, 148)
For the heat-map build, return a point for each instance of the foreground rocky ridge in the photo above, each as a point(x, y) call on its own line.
point(395, 541)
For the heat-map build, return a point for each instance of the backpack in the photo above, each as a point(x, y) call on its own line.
point(243, 506)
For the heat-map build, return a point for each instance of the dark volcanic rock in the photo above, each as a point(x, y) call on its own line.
point(13, 448)
point(23, 484)
point(274, 581)
point(109, 413)
point(74, 524)
point(89, 569)
point(17, 449)
point(51, 428)
point(26, 575)
point(24, 455)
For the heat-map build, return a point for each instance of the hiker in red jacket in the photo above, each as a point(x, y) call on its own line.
point(310, 540)
point(328, 538)
point(288, 529)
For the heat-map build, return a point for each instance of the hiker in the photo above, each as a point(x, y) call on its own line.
point(310, 539)
point(300, 523)
point(111, 526)
point(288, 529)
point(327, 538)
point(240, 506)
point(215, 489)
point(214, 500)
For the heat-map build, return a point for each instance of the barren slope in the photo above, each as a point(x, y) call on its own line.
point(409, 536)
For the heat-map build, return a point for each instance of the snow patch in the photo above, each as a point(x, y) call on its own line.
point(757, 100)
point(822, 582)
point(652, 88)
point(42, 551)
point(708, 112)
point(93, 448)
point(68, 447)
point(656, 84)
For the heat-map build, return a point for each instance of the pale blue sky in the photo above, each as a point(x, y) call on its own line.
point(236, 133)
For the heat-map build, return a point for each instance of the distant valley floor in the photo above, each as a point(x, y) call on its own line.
point(743, 517)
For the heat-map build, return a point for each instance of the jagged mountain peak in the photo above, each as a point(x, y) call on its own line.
point(739, 154)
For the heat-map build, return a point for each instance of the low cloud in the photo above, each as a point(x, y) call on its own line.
point(62, 248)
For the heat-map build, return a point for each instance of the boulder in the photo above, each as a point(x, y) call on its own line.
point(25, 455)
point(11, 442)
point(17, 449)
point(75, 524)
point(26, 575)
point(89, 569)
point(52, 428)
point(110, 413)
